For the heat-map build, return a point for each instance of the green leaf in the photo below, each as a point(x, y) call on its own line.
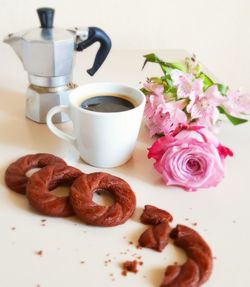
point(234, 120)
point(165, 66)
point(223, 89)
point(153, 59)
point(178, 66)
point(144, 91)
point(207, 82)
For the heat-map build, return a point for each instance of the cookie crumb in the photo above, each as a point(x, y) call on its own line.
point(82, 262)
point(129, 266)
point(124, 273)
point(13, 228)
point(39, 253)
point(43, 220)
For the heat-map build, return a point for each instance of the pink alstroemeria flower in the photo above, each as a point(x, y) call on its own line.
point(203, 106)
point(186, 84)
point(191, 158)
point(162, 117)
point(154, 88)
point(237, 103)
point(165, 119)
point(155, 99)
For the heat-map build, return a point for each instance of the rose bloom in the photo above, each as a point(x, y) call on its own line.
point(190, 158)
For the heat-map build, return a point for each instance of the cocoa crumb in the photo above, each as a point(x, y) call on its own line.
point(13, 228)
point(129, 266)
point(138, 246)
point(194, 223)
point(106, 262)
point(214, 257)
point(82, 262)
point(141, 263)
point(43, 220)
point(39, 253)
point(130, 242)
point(43, 224)
point(187, 219)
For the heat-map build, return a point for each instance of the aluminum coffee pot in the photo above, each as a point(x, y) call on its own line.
point(47, 54)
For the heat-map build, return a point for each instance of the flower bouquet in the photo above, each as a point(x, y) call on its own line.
point(182, 111)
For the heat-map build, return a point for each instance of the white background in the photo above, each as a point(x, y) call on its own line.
point(217, 31)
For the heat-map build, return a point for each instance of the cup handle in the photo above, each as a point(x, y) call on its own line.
point(54, 129)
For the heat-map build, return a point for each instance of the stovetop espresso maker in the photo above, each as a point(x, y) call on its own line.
point(47, 54)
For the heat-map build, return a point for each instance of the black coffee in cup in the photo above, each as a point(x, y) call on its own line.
point(107, 103)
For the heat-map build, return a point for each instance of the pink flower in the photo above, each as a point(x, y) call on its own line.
point(186, 84)
point(237, 103)
point(154, 88)
point(203, 106)
point(164, 118)
point(191, 159)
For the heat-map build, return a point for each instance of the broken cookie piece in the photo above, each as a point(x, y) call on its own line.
point(196, 249)
point(153, 215)
point(155, 237)
point(185, 275)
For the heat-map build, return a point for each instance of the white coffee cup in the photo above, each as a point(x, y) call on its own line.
point(103, 139)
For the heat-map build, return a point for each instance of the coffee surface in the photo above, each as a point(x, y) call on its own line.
point(107, 104)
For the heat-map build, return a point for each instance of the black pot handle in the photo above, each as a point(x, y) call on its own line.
point(96, 35)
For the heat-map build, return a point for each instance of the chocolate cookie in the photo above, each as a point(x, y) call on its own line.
point(46, 179)
point(81, 194)
point(15, 175)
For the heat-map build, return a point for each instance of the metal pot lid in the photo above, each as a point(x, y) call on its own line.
point(48, 34)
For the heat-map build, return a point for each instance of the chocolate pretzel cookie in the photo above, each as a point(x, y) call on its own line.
point(15, 175)
point(46, 179)
point(81, 194)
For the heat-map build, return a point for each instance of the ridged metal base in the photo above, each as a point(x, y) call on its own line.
point(39, 100)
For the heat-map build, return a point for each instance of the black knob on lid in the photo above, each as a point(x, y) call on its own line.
point(46, 16)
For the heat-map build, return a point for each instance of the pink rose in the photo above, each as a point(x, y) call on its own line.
point(191, 158)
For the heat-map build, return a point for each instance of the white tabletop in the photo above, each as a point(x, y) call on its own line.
point(222, 213)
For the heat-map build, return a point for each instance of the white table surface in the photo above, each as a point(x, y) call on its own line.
point(222, 214)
